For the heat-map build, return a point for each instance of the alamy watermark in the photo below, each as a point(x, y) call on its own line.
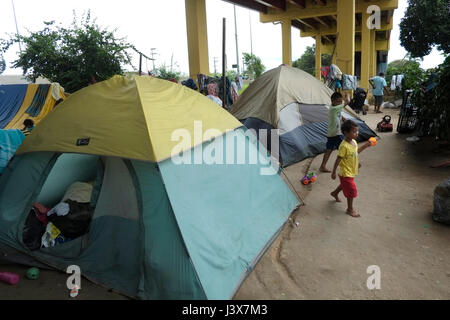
point(374, 20)
point(374, 281)
point(227, 149)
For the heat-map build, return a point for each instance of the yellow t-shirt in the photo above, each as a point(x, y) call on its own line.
point(349, 159)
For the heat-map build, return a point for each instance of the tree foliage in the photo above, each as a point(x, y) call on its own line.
point(163, 72)
point(426, 24)
point(307, 62)
point(255, 68)
point(74, 57)
point(410, 68)
point(434, 102)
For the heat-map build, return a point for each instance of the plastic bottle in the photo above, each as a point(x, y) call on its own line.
point(9, 278)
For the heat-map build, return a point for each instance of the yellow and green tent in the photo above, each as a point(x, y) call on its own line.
point(179, 210)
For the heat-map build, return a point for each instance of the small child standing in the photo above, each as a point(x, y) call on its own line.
point(335, 136)
point(347, 161)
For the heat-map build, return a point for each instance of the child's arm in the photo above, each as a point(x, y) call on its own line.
point(348, 100)
point(336, 164)
point(364, 146)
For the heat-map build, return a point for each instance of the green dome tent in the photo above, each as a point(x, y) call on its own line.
point(161, 228)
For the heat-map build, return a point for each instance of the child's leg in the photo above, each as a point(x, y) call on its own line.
point(350, 209)
point(335, 193)
point(326, 157)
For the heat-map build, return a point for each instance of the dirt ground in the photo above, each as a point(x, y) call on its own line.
point(327, 256)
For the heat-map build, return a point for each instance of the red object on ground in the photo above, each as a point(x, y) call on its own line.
point(9, 278)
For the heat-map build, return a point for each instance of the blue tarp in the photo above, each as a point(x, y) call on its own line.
point(38, 100)
point(10, 140)
point(11, 98)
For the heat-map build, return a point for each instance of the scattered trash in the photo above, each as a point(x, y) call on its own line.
point(426, 226)
point(283, 294)
point(33, 274)
point(74, 292)
point(297, 224)
point(9, 278)
point(413, 139)
point(400, 214)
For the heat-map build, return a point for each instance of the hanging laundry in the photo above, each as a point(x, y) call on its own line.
point(348, 82)
point(325, 71)
point(394, 83)
point(335, 72)
point(399, 80)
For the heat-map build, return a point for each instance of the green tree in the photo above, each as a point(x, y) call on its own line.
point(426, 24)
point(410, 68)
point(307, 62)
point(255, 68)
point(74, 57)
point(167, 73)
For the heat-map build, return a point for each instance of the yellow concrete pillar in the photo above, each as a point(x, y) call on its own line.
point(287, 46)
point(197, 35)
point(365, 51)
point(373, 55)
point(318, 56)
point(345, 48)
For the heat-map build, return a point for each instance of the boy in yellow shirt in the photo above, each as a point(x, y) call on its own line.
point(347, 161)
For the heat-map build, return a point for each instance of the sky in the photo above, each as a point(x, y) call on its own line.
point(162, 25)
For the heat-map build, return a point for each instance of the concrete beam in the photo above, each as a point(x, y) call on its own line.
point(311, 9)
point(197, 35)
point(345, 47)
point(333, 30)
point(286, 42)
point(318, 56)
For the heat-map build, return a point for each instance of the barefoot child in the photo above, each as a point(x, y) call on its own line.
point(347, 161)
point(335, 136)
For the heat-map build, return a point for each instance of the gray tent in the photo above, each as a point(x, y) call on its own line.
point(295, 103)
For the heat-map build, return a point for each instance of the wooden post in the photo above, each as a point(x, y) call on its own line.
point(140, 64)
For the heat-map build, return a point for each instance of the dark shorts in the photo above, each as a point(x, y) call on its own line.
point(348, 186)
point(379, 100)
point(333, 143)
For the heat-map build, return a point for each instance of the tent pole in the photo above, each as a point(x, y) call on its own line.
point(224, 65)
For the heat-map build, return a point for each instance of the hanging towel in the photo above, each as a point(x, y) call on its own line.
point(11, 98)
point(38, 100)
point(10, 140)
point(56, 91)
point(399, 80)
point(348, 82)
point(393, 83)
point(335, 72)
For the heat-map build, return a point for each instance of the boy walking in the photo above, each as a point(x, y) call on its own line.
point(335, 136)
point(347, 161)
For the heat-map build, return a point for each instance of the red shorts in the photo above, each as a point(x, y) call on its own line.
point(348, 187)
